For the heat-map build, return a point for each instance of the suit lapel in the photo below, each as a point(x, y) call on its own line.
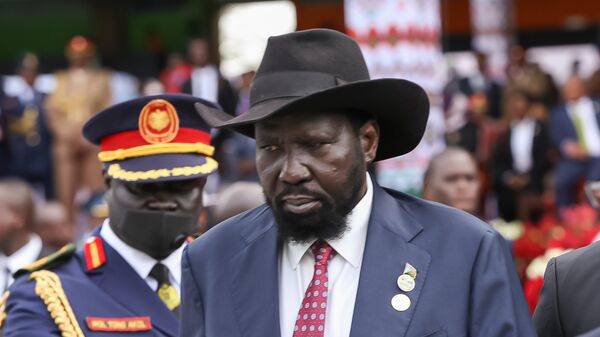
point(254, 282)
point(387, 250)
point(117, 279)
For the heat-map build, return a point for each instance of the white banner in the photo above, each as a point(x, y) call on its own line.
point(401, 39)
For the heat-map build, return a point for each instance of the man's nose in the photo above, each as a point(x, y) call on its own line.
point(293, 170)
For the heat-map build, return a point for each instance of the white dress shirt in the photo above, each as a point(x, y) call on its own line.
point(19, 259)
point(141, 262)
point(521, 143)
point(205, 82)
point(296, 266)
point(586, 111)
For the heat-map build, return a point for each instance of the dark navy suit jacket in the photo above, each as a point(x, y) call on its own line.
point(466, 283)
point(570, 298)
point(113, 290)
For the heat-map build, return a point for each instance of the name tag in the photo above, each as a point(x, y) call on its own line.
point(122, 324)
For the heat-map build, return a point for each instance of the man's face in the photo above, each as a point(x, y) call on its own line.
point(183, 197)
point(455, 182)
point(198, 52)
point(312, 167)
point(10, 223)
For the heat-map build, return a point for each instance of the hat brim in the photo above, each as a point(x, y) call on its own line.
point(400, 107)
point(163, 167)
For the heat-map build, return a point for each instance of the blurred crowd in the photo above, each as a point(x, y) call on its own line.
point(519, 151)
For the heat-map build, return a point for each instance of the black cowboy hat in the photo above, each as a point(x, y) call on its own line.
point(324, 69)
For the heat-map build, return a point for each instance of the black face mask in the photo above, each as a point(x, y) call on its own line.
point(156, 233)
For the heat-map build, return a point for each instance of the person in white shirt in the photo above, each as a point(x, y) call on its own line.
point(521, 161)
point(19, 245)
point(331, 253)
point(127, 276)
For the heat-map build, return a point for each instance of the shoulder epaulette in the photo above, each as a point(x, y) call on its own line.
point(49, 288)
point(93, 250)
point(55, 259)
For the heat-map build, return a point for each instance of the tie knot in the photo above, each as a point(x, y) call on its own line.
point(160, 273)
point(322, 252)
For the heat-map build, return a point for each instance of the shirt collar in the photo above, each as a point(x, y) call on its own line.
point(141, 262)
point(25, 255)
point(351, 245)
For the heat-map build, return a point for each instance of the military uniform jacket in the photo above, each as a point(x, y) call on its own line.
point(109, 299)
point(466, 283)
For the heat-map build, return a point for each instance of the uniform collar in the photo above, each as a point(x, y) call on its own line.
point(141, 262)
point(351, 245)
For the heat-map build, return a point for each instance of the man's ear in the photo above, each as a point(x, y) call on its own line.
point(369, 139)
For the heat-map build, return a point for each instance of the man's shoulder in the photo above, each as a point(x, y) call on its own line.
point(50, 261)
point(578, 258)
point(436, 217)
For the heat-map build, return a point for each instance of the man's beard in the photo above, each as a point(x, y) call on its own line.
point(328, 223)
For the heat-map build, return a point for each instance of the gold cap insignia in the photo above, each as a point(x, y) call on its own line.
point(159, 122)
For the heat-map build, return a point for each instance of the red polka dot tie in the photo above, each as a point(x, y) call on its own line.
point(311, 317)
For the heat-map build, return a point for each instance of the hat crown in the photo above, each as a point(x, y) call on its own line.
point(302, 63)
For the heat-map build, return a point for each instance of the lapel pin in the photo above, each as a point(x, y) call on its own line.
point(400, 302)
point(406, 281)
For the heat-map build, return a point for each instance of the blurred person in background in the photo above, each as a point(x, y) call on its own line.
point(482, 82)
point(205, 80)
point(27, 130)
point(52, 225)
point(452, 179)
point(521, 161)
point(575, 131)
point(176, 73)
point(4, 146)
point(152, 86)
point(81, 90)
point(524, 75)
point(237, 198)
point(19, 245)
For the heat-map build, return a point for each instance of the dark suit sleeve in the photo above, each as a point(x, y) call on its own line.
point(498, 307)
point(26, 314)
point(192, 313)
point(546, 318)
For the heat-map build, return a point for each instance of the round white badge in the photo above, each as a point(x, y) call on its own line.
point(406, 282)
point(400, 302)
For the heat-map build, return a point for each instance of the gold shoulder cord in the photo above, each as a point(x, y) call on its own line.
point(3, 310)
point(49, 289)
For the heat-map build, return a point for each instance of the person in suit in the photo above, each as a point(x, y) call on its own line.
point(19, 244)
point(482, 82)
point(575, 131)
point(126, 279)
point(332, 253)
point(569, 298)
point(521, 161)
